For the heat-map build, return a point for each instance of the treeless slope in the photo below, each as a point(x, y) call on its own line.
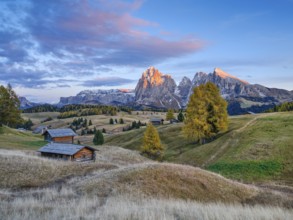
point(18, 169)
point(163, 180)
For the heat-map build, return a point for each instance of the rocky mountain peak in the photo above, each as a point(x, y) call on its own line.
point(183, 90)
point(225, 75)
point(152, 77)
point(156, 89)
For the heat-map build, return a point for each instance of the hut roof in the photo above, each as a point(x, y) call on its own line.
point(155, 119)
point(66, 149)
point(39, 129)
point(61, 132)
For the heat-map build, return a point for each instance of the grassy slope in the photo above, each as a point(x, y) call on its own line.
point(256, 148)
point(109, 177)
point(14, 139)
point(128, 188)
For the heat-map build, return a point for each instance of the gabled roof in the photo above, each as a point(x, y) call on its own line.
point(39, 128)
point(156, 119)
point(66, 149)
point(61, 132)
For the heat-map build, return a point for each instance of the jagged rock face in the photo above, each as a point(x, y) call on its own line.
point(105, 97)
point(24, 103)
point(183, 90)
point(156, 90)
point(229, 86)
point(242, 94)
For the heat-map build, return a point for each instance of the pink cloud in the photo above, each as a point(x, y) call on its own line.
point(108, 28)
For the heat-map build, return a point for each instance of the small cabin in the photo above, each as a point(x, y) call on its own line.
point(71, 152)
point(59, 135)
point(174, 121)
point(157, 121)
point(40, 129)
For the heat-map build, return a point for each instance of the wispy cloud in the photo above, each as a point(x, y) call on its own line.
point(80, 38)
point(107, 81)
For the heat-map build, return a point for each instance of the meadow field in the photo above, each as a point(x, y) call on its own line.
point(123, 185)
point(245, 173)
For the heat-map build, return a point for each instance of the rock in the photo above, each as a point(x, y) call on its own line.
point(155, 89)
point(105, 97)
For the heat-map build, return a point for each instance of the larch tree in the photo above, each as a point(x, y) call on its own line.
point(170, 115)
point(152, 146)
point(9, 107)
point(206, 114)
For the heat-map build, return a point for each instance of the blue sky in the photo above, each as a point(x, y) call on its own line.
point(57, 48)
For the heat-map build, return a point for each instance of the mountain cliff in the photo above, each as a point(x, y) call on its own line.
point(241, 95)
point(157, 90)
point(24, 103)
point(103, 97)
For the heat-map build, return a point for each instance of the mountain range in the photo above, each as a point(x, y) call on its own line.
point(157, 90)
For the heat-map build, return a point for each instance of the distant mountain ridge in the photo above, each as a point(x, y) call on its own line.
point(157, 90)
point(104, 97)
point(24, 103)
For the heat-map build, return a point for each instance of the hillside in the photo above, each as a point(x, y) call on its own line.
point(130, 183)
point(15, 139)
point(256, 148)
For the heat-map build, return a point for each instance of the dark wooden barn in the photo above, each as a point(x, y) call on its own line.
point(71, 152)
point(157, 121)
point(65, 135)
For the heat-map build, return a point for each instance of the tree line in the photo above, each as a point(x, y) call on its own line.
point(284, 107)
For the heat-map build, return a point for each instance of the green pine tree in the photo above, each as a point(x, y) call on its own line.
point(90, 122)
point(98, 138)
point(180, 116)
point(152, 146)
point(111, 121)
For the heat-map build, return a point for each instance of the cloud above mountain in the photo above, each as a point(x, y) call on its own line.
point(42, 39)
point(107, 81)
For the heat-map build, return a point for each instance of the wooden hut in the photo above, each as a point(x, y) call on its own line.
point(40, 129)
point(59, 135)
point(157, 121)
point(71, 152)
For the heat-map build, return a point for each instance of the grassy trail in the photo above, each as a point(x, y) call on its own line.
point(231, 140)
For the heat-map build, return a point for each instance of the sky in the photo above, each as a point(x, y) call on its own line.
point(55, 48)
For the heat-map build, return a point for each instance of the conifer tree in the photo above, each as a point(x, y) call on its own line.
point(152, 146)
point(170, 115)
point(111, 121)
point(98, 138)
point(90, 122)
point(180, 116)
point(9, 107)
point(206, 113)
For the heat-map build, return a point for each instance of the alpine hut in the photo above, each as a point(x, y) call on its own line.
point(70, 152)
point(157, 121)
point(65, 135)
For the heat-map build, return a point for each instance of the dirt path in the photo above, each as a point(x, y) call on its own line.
point(231, 139)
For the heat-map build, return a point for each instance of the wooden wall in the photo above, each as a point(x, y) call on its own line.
point(84, 154)
point(68, 139)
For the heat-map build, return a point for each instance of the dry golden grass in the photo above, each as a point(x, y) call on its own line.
point(156, 180)
point(66, 204)
point(18, 169)
point(124, 185)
